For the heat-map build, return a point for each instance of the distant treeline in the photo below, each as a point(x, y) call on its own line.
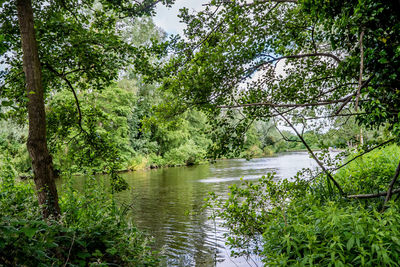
point(120, 125)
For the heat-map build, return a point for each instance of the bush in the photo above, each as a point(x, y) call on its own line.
point(304, 223)
point(186, 154)
point(92, 230)
point(156, 161)
point(139, 162)
point(370, 173)
point(334, 233)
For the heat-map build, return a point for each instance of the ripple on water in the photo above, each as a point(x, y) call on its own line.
point(167, 205)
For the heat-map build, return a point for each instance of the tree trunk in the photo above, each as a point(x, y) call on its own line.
point(42, 163)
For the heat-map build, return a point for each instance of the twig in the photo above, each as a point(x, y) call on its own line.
point(283, 136)
point(356, 157)
point(364, 84)
point(362, 154)
point(63, 77)
point(70, 248)
point(256, 2)
point(318, 54)
point(312, 153)
point(389, 192)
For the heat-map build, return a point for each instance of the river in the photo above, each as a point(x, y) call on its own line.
point(167, 204)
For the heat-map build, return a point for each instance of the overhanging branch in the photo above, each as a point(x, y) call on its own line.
point(312, 153)
point(78, 107)
point(273, 105)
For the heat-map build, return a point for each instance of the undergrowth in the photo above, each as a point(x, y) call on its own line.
point(301, 222)
point(91, 231)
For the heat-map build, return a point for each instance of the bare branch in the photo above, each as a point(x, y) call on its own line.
point(273, 105)
point(380, 194)
point(389, 192)
point(312, 153)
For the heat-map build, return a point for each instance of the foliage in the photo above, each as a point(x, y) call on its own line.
point(125, 110)
point(334, 233)
point(12, 146)
point(298, 222)
point(370, 173)
point(244, 61)
point(92, 229)
point(87, 43)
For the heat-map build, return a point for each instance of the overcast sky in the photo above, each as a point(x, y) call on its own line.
point(167, 18)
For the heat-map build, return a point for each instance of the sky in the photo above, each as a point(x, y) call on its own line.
point(167, 18)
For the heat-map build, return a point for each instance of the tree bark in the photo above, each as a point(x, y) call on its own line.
point(42, 162)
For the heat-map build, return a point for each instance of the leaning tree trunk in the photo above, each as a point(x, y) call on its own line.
point(41, 160)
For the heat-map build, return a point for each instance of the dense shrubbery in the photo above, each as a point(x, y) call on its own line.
point(370, 173)
point(339, 233)
point(299, 222)
point(91, 230)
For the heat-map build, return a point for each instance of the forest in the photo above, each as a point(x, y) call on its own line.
point(93, 89)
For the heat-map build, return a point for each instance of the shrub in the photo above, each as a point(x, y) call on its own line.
point(186, 154)
point(370, 173)
point(156, 161)
point(139, 162)
point(91, 230)
point(334, 233)
point(300, 222)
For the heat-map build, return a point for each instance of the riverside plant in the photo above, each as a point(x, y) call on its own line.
point(302, 222)
point(92, 229)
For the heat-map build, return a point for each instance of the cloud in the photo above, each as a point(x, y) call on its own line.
point(167, 18)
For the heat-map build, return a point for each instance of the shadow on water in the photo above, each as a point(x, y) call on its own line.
point(167, 204)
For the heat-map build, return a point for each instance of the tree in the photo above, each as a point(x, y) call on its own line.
point(65, 45)
point(37, 146)
point(295, 60)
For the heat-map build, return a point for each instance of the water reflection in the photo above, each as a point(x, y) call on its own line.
point(167, 205)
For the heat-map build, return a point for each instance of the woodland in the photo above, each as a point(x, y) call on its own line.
point(95, 87)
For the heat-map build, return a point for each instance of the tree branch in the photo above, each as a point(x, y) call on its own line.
point(63, 77)
point(318, 54)
point(322, 103)
point(364, 84)
point(380, 194)
point(389, 192)
point(362, 154)
point(334, 116)
point(257, 2)
point(312, 153)
point(356, 157)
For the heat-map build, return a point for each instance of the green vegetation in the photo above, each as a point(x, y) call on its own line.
point(83, 235)
point(94, 87)
point(299, 223)
point(370, 173)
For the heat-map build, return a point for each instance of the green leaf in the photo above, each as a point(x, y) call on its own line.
point(29, 232)
point(350, 243)
point(5, 103)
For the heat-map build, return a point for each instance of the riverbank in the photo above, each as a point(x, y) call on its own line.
point(92, 229)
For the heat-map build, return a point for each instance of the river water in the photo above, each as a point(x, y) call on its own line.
point(167, 204)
